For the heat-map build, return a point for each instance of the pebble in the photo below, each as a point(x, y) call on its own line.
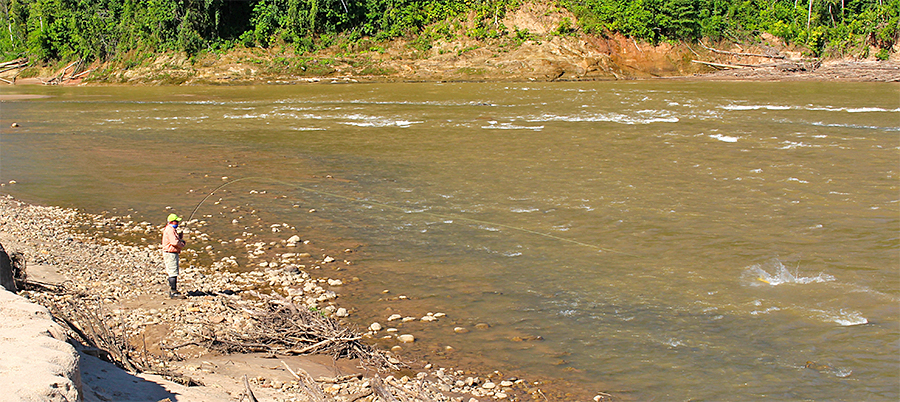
point(375, 327)
point(460, 330)
point(394, 317)
point(341, 312)
point(406, 338)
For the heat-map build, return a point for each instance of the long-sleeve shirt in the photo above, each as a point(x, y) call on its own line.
point(171, 241)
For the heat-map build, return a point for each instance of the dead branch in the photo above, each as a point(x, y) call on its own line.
point(83, 73)
point(383, 393)
point(247, 391)
point(306, 381)
point(718, 65)
point(14, 62)
point(361, 395)
point(288, 329)
point(740, 54)
point(319, 344)
point(338, 380)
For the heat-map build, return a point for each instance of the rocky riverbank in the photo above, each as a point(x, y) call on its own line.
point(213, 336)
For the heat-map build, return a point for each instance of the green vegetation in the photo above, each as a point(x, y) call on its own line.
point(51, 30)
point(833, 26)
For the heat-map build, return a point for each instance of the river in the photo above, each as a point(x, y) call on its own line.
point(656, 240)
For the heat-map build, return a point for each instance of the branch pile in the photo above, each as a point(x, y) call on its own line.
point(282, 327)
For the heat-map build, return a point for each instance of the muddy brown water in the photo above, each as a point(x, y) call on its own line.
point(655, 240)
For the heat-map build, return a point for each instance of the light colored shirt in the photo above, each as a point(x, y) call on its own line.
point(171, 242)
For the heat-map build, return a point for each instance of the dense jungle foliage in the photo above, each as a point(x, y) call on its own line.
point(104, 29)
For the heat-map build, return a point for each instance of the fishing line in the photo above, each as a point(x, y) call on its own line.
point(444, 217)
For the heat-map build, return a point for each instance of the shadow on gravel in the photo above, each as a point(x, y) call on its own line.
point(103, 381)
point(196, 293)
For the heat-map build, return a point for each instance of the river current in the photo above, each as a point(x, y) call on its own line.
point(656, 240)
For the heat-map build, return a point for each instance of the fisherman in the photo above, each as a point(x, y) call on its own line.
point(172, 243)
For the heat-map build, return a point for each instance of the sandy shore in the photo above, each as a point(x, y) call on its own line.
point(123, 285)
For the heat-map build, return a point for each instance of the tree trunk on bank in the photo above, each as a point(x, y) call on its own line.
point(6, 272)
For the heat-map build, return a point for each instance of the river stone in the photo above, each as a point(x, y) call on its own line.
point(505, 383)
point(406, 338)
point(375, 327)
point(460, 330)
point(294, 239)
point(489, 385)
point(482, 325)
point(341, 312)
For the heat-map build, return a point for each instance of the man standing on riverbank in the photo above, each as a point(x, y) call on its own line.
point(172, 243)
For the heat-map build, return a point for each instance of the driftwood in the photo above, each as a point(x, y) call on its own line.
point(288, 329)
point(338, 380)
point(15, 62)
point(718, 65)
point(741, 54)
point(61, 78)
point(248, 393)
point(382, 391)
point(12, 65)
point(309, 385)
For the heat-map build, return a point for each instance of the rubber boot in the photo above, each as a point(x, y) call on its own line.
point(173, 287)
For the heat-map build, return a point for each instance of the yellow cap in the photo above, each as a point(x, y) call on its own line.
point(173, 217)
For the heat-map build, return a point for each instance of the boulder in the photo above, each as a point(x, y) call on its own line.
point(37, 362)
point(6, 271)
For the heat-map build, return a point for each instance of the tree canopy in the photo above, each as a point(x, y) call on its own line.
point(103, 29)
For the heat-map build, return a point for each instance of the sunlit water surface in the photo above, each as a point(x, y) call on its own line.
point(654, 240)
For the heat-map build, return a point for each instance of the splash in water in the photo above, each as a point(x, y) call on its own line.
point(774, 273)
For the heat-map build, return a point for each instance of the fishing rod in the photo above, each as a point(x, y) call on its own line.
point(444, 217)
